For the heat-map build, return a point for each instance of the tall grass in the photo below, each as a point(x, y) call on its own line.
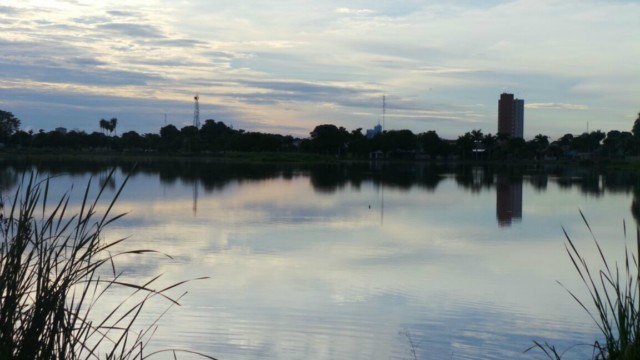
point(55, 269)
point(613, 301)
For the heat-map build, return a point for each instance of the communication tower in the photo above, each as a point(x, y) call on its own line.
point(384, 110)
point(196, 112)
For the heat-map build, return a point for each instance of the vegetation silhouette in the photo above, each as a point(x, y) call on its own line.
point(326, 139)
point(56, 268)
point(612, 304)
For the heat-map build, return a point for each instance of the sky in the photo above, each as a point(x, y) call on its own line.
point(287, 66)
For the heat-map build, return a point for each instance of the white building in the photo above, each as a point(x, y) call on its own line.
point(375, 131)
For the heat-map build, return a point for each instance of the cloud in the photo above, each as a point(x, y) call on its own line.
point(292, 92)
point(122, 13)
point(179, 43)
point(82, 75)
point(309, 87)
point(349, 11)
point(87, 61)
point(556, 106)
point(133, 30)
point(89, 20)
point(9, 10)
point(433, 115)
point(441, 70)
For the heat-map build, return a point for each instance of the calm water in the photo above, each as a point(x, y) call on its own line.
point(368, 262)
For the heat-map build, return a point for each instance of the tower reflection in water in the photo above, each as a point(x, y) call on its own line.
point(508, 200)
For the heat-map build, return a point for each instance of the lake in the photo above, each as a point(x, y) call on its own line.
point(368, 261)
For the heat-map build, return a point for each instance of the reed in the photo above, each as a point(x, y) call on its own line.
point(613, 301)
point(55, 269)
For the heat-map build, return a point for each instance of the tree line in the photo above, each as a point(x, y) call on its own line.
point(327, 139)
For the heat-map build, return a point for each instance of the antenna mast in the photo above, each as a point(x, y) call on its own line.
point(196, 113)
point(384, 110)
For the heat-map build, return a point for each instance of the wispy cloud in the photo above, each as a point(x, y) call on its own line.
point(133, 30)
point(123, 13)
point(344, 10)
point(556, 106)
point(8, 10)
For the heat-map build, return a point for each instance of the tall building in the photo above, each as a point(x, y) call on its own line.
point(510, 116)
point(371, 133)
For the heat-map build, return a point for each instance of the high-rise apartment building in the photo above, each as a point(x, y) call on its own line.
point(510, 116)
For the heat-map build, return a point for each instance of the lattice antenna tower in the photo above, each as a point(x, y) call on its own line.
point(196, 112)
point(384, 110)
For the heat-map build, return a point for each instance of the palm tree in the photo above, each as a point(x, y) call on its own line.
point(541, 140)
point(489, 142)
point(104, 125)
point(112, 125)
point(477, 137)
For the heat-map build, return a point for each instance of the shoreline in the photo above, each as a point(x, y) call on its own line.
point(296, 158)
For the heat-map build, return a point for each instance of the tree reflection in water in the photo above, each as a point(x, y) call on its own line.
point(330, 178)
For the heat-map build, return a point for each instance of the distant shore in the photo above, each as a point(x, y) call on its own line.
point(294, 158)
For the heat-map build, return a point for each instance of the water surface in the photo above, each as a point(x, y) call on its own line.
point(361, 262)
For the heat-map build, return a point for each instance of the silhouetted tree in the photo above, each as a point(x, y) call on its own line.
point(131, 140)
point(618, 144)
point(517, 149)
point(51, 139)
point(566, 140)
point(9, 124)
point(189, 135)
point(431, 143)
point(170, 138)
point(189, 131)
point(75, 140)
point(538, 145)
point(464, 145)
point(113, 123)
point(98, 140)
point(636, 127)
point(478, 146)
point(588, 142)
point(151, 141)
point(104, 124)
point(477, 135)
point(403, 140)
point(636, 135)
point(329, 139)
point(255, 141)
point(215, 134)
point(21, 139)
point(541, 141)
point(395, 141)
point(358, 144)
point(490, 144)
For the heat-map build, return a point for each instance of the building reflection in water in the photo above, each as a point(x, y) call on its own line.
point(508, 200)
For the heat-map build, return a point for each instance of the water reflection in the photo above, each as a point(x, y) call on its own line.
point(196, 185)
point(335, 261)
point(331, 178)
point(508, 200)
